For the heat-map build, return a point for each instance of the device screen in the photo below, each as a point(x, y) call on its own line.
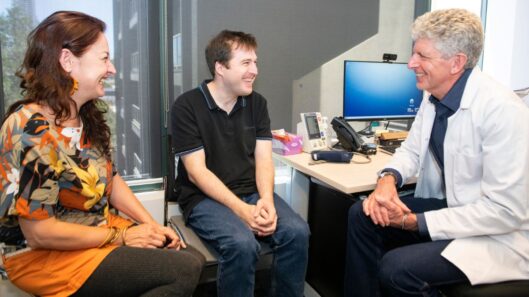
point(312, 126)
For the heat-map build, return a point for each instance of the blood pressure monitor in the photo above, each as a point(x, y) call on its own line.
point(312, 129)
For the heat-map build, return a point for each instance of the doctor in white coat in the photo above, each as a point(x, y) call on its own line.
point(469, 148)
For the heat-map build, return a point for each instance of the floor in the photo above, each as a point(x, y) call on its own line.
point(7, 289)
point(205, 290)
point(262, 286)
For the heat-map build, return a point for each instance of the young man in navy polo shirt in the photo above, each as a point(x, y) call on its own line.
point(225, 183)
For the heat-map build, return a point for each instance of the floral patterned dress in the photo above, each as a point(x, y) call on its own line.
point(50, 171)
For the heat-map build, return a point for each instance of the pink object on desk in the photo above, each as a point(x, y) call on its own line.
point(289, 144)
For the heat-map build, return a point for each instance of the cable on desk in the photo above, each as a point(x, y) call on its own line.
point(368, 159)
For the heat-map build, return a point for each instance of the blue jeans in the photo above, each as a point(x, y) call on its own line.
point(394, 261)
point(238, 247)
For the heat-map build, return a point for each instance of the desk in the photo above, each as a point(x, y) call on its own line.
point(322, 195)
point(345, 177)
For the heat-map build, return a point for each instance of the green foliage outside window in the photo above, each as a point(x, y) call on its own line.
point(15, 26)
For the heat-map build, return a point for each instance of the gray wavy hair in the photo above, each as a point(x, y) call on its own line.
point(452, 31)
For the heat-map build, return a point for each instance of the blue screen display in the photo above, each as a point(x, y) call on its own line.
point(377, 91)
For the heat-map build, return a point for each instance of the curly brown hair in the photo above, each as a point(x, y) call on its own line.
point(45, 82)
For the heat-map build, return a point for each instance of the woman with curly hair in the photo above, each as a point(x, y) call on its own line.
point(57, 179)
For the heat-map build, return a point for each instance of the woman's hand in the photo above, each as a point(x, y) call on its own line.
point(171, 238)
point(144, 236)
point(152, 236)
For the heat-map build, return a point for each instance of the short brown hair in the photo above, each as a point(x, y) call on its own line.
point(220, 47)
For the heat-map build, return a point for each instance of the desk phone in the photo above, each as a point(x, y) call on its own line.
point(313, 131)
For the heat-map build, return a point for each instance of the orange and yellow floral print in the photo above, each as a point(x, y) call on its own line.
point(92, 188)
point(44, 172)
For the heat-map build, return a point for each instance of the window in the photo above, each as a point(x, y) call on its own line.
point(177, 51)
point(133, 96)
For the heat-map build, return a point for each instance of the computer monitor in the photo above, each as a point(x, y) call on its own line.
point(379, 91)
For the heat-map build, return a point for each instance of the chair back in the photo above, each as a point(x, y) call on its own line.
point(170, 193)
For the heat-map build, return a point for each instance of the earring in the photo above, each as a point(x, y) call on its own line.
point(75, 86)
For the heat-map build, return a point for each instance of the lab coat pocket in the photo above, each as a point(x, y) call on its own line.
point(467, 174)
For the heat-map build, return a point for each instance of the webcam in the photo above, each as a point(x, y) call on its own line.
point(389, 57)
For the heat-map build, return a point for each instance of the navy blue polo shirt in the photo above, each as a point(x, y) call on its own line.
point(228, 140)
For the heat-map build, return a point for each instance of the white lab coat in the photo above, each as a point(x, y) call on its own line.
point(486, 164)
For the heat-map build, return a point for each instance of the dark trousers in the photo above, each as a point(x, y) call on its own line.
point(393, 262)
point(130, 271)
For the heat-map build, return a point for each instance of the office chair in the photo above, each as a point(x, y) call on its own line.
point(209, 272)
point(512, 289)
point(11, 239)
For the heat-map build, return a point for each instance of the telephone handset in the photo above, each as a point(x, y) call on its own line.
point(347, 136)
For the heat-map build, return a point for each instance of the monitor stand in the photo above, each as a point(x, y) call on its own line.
point(367, 131)
point(408, 124)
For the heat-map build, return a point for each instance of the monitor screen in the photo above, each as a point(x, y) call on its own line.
point(379, 91)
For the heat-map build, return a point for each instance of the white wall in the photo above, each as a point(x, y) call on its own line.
point(506, 54)
point(153, 201)
point(322, 89)
point(471, 5)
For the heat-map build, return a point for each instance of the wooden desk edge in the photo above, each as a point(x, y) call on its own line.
point(306, 169)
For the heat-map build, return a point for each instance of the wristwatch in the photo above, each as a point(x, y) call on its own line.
point(384, 173)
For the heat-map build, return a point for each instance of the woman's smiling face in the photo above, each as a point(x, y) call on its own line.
point(91, 69)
